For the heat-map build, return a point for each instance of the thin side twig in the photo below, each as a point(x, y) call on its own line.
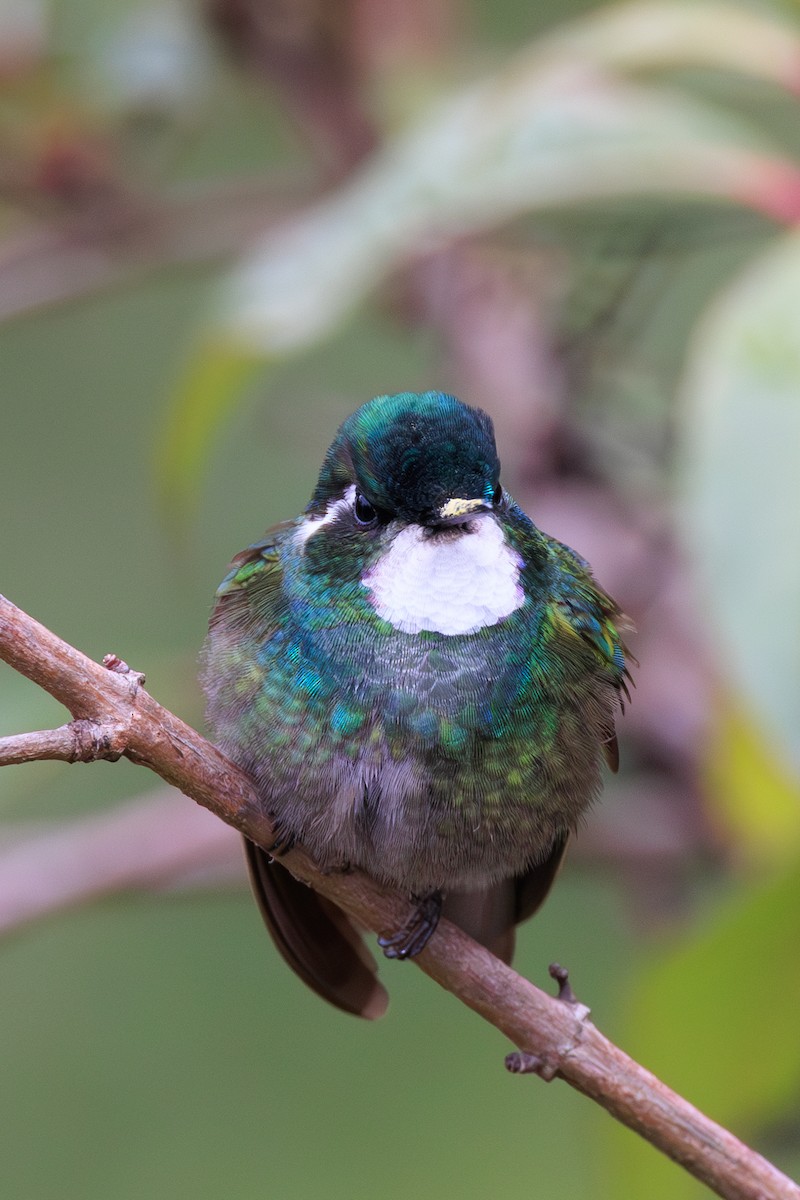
point(80, 741)
point(554, 1036)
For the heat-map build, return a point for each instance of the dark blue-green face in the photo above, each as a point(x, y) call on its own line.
point(410, 454)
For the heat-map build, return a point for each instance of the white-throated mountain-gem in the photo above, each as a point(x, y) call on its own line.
point(420, 682)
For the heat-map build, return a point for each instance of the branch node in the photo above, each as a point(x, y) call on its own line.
point(522, 1062)
point(561, 976)
point(92, 742)
point(112, 662)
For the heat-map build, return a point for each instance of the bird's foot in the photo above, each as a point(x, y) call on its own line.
point(337, 868)
point(283, 841)
point(414, 935)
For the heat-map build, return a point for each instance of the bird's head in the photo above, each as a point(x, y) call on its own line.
point(407, 502)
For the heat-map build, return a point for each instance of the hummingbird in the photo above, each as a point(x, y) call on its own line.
point(421, 683)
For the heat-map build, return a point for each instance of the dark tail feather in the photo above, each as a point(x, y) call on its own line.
point(490, 916)
point(315, 938)
point(487, 916)
point(532, 887)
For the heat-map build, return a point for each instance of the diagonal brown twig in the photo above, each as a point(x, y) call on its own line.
point(554, 1035)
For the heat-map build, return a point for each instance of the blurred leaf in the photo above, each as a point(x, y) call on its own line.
point(741, 453)
point(211, 384)
point(548, 129)
point(717, 1020)
point(520, 141)
point(153, 56)
point(639, 37)
point(755, 794)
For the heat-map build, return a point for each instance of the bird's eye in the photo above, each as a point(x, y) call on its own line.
point(497, 495)
point(364, 512)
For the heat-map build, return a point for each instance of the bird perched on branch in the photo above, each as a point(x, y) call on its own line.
point(421, 683)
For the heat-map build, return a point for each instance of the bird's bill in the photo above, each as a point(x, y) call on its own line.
point(457, 509)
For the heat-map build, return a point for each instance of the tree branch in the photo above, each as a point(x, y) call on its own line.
point(52, 262)
point(554, 1035)
point(157, 841)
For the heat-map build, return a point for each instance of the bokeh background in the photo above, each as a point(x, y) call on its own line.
point(224, 225)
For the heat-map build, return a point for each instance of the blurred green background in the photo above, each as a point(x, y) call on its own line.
point(223, 226)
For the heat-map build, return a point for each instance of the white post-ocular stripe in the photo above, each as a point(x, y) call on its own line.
point(314, 524)
point(456, 581)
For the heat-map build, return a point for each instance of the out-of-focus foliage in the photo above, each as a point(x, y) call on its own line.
point(559, 124)
point(751, 786)
point(732, 1042)
point(572, 215)
point(741, 509)
point(741, 957)
point(741, 436)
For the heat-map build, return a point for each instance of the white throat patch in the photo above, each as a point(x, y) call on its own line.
point(457, 583)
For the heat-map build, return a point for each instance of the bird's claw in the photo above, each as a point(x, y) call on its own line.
point(337, 868)
point(282, 842)
point(414, 935)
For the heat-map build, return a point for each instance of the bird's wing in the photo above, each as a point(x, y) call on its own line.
point(250, 595)
point(582, 610)
point(314, 936)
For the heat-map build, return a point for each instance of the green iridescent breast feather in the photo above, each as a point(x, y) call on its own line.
point(304, 685)
point(353, 728)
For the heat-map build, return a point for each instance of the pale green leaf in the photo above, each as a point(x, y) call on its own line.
point(750, 792)
point(716, 1019)
point(645, 37)
point(650, 36)
point(210, 385)
point(546, 130)
point(552, 127)
point(741, 456)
